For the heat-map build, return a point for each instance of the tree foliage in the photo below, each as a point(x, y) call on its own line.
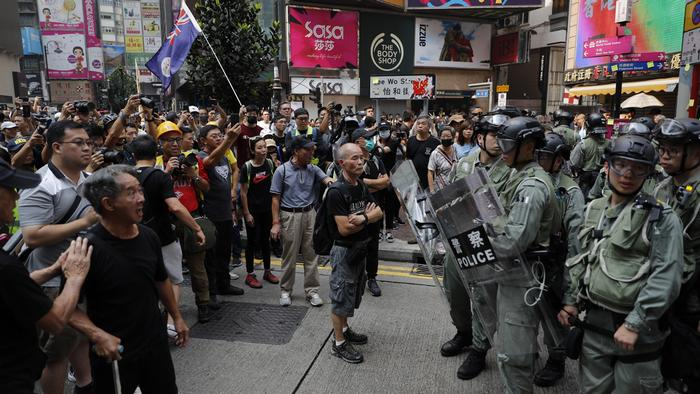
point(121, 86)
point(243, 46)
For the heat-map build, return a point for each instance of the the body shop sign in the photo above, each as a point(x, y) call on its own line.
point(322, 38)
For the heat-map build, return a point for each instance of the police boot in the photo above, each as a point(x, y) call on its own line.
point(472, 365)
point(456, 345)
point(550, 374)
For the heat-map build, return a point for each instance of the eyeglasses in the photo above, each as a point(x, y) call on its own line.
point(621, 166)
point(177, 140)
point(672, 151)
point(79, 143)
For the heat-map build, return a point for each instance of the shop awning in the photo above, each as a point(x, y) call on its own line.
point(652, 85)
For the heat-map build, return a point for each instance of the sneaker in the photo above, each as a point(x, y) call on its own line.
point(252, 281)
point(389, 238)
point(231, 290)
point(214, 303)
point(270, 277)
point(203, 313)
point(472, 365)
point(373, 287)
point(285, 299)
point(456, 345)
point(71, 374)
point(346, 352)
point(380, 237)
point(185, 270)
point(355, 338)
point(314, 299)
point(87, 389)
point(233, 275)
point(235, 262)
point(551, 373)
point(172, 334)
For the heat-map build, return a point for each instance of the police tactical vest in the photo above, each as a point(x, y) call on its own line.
point(615, 261)
point(686, 204)
point(568, 134)
point(498, 171)
point(563, 187)
point(507, 193)
point(593, 150)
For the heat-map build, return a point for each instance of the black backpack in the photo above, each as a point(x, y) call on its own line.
point(323, 230)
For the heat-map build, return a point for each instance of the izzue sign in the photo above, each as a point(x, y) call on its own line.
point(386, 46)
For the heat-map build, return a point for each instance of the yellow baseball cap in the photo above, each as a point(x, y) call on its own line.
point(167, 127)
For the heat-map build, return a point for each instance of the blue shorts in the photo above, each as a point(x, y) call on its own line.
point(348, 278)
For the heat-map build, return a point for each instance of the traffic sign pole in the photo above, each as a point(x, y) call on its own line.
point(617, 99)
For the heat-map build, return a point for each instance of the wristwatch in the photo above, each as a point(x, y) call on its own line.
point(195, 179)
point(366, 218)
point(630, 327)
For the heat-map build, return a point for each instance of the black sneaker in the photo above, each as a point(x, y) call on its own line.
point(355, 338)
point(373, 287)
point(87, 389)
point(203, 313)
point(346, 352)
point(457, 345)
point(214, 303)
point(231, 290)
point(472, 365)
point(551, 373)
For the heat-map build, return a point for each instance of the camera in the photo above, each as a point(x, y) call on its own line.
point(83, 107)
point(147, 102)
point(44, 121)
point(189, 160)
point(112, 156)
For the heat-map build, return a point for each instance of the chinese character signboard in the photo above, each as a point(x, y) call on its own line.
point(322, 38)
point(452, 44)
point(402, 87)
point(656, 27)
point(505, 48)
point(418, 4)
point(61, 15)
point(691, 33)
point(472, 248)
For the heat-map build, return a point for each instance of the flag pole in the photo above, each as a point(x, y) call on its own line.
point(136, 74)
point(222, 69)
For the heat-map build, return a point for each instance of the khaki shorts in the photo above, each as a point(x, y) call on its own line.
point(172, 258)
point(58, 347)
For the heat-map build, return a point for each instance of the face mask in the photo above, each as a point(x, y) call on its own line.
point(252, 119)
point(369, 145)
point(447, 143)
point(203, 119)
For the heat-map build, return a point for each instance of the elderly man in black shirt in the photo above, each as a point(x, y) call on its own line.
point(352, 207)
point(123, 288)
point(23, 305)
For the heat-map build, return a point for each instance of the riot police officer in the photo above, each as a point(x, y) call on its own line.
point(562, 126)
point(626, 275)
point(564, 243)
point(679, 155)
point(529, 203)
point(469, 328)
point(587, 156)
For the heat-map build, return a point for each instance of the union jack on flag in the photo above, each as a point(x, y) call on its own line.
point(173, 53)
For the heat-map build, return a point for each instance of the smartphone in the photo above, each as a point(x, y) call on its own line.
point(26, 110)
point(234, 118)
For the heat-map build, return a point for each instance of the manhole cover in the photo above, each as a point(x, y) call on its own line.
point(254, 323)
point(422, 269)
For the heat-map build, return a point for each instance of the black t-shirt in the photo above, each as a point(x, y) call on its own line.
point(22, 304)
point(259, 183)
point(389, 158)
point(419, 153)
point(345, 199)
point(121, 292)
point(156, 188)
point(373, 169)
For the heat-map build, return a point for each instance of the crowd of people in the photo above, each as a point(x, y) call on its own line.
point(113, 210)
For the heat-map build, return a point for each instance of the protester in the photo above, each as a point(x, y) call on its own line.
point(51, 215)
point(419, 148)
point(126, 281)
point(9, 131)
point(464, 131)
point(441, 161)
point(256, 180)
point(388, 145)
point(265, 121)
point(352, 207)
point(249, 129)
point(631, 234)
point(279, 125)
point(218, 205)
point(294, 198)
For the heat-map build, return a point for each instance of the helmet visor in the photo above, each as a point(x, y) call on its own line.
point(497, 119)
point(507, 144)
point(621, 165)
point(671, 128)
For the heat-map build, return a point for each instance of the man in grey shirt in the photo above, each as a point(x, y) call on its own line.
point(51, 215)
point(294, 192)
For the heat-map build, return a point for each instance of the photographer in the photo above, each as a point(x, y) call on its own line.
point(9, 131)
point(126, 281)
point(26, 154)
point(116, 133)
point(51, 215)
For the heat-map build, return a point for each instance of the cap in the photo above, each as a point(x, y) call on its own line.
point(361, 133)
point(167, 127)
point(18, 179)
point(301, 142)
point(270, 143)
point(192, 108)
point(384, 126)
point(16, 144)
point(8, 125)
point(455, 118)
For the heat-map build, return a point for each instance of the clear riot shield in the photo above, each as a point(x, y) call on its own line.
point(469, 215)
point(404, 179)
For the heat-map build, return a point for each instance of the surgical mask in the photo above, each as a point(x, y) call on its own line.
point(369, 145)
point(447, 142)
point(252, 119)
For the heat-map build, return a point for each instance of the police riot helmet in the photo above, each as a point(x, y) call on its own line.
point(518, 129)
point(692, 126)
point(596, 123)
point(636, 129)
point(672, 130)
point(632, 147)
point(646, 121)
point(563, 117)
point(554, 144)
point(490, 123)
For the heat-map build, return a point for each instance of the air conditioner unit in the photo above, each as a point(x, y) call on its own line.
point(510, 21)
